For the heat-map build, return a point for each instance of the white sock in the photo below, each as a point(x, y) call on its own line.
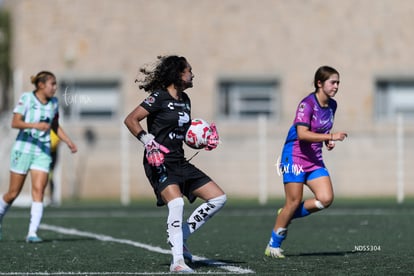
point(36, 214)
point(3, 208)
point(174, 227)
point(202, 214)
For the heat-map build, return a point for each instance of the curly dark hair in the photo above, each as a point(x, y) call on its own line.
point(167, 71)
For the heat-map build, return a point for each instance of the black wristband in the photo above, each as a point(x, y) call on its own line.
point(140, 134)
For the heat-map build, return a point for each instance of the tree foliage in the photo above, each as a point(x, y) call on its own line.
point(4, 58)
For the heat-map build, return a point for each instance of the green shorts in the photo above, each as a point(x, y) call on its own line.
point(21, 162)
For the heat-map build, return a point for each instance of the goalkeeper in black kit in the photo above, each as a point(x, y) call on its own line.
point(168, 112)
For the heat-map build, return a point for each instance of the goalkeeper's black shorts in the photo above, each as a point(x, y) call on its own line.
point(183, 173)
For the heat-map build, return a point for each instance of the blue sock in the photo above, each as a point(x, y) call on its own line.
point(277, 239)
point(301, 211)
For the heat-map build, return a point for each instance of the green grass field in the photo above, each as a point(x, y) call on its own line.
point(352, 237)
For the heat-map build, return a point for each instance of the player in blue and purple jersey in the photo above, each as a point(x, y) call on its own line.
point(302, 155)
point(301, 161)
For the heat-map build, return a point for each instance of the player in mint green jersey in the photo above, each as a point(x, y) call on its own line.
point(34, 116)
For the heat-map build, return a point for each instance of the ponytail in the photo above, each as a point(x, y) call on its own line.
point(42, 77)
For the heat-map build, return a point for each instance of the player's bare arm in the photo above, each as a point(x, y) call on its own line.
point(305, 134)
point(19, 123)
point(65, 138)
point(132, 121)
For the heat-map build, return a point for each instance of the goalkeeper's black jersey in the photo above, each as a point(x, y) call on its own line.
point(168, 121)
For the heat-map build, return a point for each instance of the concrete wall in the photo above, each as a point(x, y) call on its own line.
point(284, 39)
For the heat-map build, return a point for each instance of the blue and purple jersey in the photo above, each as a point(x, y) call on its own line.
point(303, 156)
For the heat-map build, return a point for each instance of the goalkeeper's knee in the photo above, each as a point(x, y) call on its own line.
point(218, 202)
point(202, 214)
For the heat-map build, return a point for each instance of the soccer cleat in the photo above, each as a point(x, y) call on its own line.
point(33, 239)
point(274, 252)
point(186, 253)
point(180, 267)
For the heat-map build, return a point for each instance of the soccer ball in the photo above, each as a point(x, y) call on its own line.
point(197, 133)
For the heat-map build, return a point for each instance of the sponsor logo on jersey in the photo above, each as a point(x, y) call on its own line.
point(173, 105)
point(149, 100)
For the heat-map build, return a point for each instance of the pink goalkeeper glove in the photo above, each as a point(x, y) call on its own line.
point(155, 151)
point(213, 138)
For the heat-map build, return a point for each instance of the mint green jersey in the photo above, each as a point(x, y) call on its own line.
point(32, 140)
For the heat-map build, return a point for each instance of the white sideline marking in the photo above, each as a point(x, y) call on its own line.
point(71, 231)
point(100, 273)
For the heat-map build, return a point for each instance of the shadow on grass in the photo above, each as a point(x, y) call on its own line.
point(196, 264)
point(23, 240)
point(333, 253)
point(215, 263)
point(68, 240)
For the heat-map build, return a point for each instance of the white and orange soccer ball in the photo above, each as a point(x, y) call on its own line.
point(197, 134)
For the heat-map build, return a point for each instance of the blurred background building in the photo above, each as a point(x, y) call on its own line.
point(253, 61)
